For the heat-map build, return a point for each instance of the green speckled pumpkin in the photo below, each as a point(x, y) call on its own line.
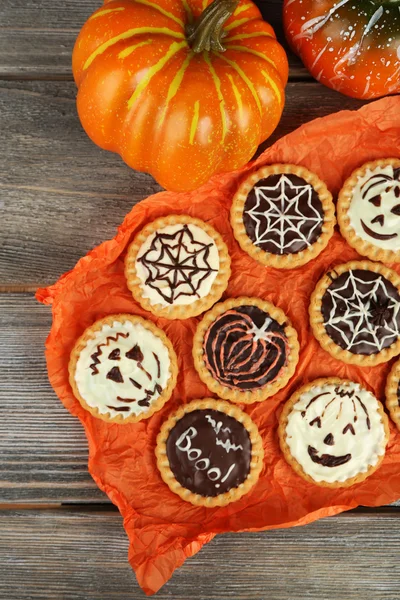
point(352, 46)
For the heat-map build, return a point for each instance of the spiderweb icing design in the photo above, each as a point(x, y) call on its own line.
point(179, 264)
point(361, 311)
point(283, 214)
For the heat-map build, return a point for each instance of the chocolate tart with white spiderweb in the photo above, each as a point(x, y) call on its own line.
point(355, 313)
point(283, 216)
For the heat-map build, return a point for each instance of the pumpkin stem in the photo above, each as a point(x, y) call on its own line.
point(207, 33)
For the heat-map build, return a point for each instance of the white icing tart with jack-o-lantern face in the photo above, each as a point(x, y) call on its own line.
point(369, 210)
point(333, 432)
point(123, 369)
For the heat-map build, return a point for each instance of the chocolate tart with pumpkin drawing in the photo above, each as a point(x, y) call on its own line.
point(369, 210)
point(333, 432)
point(177, 267)
point(209, 453)
point(123, 369)
point(245, 349)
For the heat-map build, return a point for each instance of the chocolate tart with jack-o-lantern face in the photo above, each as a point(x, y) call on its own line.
point(245, 349)
point(333, 432)
point(123, 369)
point(369, 210)
point(392, 393)
point(209, 453)
point(355, 313)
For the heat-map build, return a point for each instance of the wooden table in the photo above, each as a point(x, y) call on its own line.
point(60, 538)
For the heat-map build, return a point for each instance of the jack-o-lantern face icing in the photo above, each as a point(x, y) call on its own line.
point(245, 349)
point(335, 432)
point(177, 265)
point(123, 369)
point(374, 210)
point(209, 452)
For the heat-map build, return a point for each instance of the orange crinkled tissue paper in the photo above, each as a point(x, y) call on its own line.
point(163, 529)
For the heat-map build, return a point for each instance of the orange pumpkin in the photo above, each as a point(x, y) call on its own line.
point(179, 89)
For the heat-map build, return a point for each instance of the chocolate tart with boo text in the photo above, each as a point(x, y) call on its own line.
point(355, 313)
point(123, 369)
point(177, 267)
point(209, 453)
point(245, 349)
point(283, 216)
point(333, 432)
point(392, 393)
point(369, 210)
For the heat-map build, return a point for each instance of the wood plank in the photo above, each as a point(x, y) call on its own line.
point(38, 41)
point(43, 449)
point(60, 195)
point(83, 555)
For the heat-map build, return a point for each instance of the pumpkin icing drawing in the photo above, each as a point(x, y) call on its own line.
point(180, 89)
point(245, 349)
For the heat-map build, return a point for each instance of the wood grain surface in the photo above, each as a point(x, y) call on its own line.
point(82, 555)
point(60, 195)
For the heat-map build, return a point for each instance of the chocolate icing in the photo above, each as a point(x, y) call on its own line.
point(343, 311)
point(209, 452)
point(265, 229)
point(233, 354)
point(328, 460)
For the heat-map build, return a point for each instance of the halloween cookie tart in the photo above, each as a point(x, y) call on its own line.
point(333, 432)
point(210, 453)
point(355, 313)
point(283, 216)
point(123, 369)
point(245, 349)
point(392, 393)
point(177, 267)
point(369, 210)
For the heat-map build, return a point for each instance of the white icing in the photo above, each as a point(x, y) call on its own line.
point(339, 410)
point(217, 426)
point(163, 283)
point(261, 333)
point(358, 313)
point(228, 445)
point(270, 214)
point(100, 392)
point(361, 209)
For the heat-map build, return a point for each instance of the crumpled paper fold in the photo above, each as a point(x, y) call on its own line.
point(163, 530)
